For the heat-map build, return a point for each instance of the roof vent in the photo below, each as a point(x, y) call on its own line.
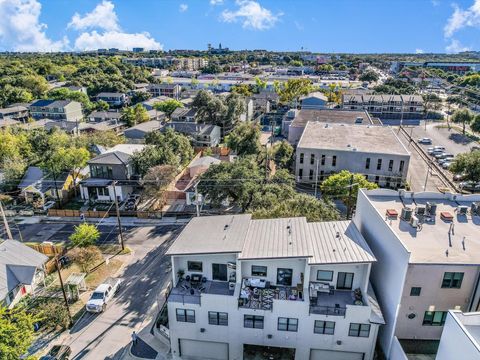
point(338, 234)
point(225, 227)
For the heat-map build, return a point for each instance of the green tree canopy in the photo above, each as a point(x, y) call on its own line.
point(283, 154)
point(84, 235)
point(467, 164)
point(16, 332)
point(168, 106)
point(245, 139)
point(464, 117)
point(294, 88)
point(369, 76)
point(135, 115)
point(67, 94)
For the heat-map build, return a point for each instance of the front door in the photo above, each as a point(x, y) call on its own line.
point(219, 272)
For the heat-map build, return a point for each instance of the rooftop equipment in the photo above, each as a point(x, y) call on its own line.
point(431, 209)
point(462, 210)
point(406, 214)
point(420, 210)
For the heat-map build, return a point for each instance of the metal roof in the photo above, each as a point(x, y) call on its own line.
point(18, 263)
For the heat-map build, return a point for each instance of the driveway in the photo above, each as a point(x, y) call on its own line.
point(105, 335)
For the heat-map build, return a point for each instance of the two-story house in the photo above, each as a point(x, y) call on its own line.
point(111, 173)
point(273, 286)
point(201, 135)
point(18, 113)
point(168, 90)
point(113, 98)
point(59, 110)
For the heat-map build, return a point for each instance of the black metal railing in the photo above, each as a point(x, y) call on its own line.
point(328, 310)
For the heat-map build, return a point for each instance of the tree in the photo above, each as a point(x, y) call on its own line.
point(13, 170)
point(67, 94)
point(293, 89)
point(16, 332)
point(244, 139)
point(236, 107)
point(76, 159)
point(156, 180)
point(87, 257)
point(464, 117)
point(467, 164)
point(135, 115)
point(260, 84)
point(55, 163)
point(101, 105)
point(140, 96)
point(84, 235)
point(242, 89)
point(168, 106)
point(325, 68)
point(51, 311)
point(475, 124)
point(283, 154)
point(210, 109)
point(337, 186)
point(369, 76)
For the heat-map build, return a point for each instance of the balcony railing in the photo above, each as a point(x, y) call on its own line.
point(328, 310)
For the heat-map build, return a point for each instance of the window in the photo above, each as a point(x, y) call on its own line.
point(334, 160)
point(452, 280)
point(415, 291)
point(367, 163)
point(219, 272)
point(218, 318)
point(312, 159)
point(300, 173)
point(434, 318)
point(194, 265)
point(310, 175)
point(287, 324)
point(258, 270)
point(379, 164)
point(359, 330)
point(102, 191)
point(284, 277)
point(402, 165)
point(390, 165)
point(253, 321)
point(184, 315)
point(103, 172)
point(324, 275)
point(322, 162)
point(344, 281)
point(301, 158)
point(324, 327)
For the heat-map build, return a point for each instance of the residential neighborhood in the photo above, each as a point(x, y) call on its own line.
point(239, 180)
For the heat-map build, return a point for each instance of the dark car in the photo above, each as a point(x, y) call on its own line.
point(58, 352)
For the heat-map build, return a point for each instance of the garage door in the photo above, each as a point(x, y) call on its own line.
point(202, 350)
point(334, 355)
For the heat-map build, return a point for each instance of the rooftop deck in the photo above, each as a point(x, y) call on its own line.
point(255, 297)
point(334, 302)
point(187, 292)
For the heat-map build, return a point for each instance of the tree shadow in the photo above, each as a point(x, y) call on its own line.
point(460, 138)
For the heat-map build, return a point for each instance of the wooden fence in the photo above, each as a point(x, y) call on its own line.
point(76, 213)
point(48, 249)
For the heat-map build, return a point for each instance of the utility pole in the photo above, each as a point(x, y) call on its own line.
point(120, 232)
point(5, 222)
point(197, 205)
point(429, 168)
point(57, 265)
point(350, 190)
point(316, 180)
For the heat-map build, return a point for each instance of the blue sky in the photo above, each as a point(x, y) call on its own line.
point(358, 26)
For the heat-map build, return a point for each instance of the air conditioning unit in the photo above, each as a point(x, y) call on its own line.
point(406, 214)
point(431, 209)
point(462, 210)
point(414, 221)
point(420, 210)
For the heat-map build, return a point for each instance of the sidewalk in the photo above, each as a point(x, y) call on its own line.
point(148, 347)
point(126, 221)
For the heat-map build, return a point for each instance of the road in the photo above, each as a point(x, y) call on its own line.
point(454, 142)
point(105, 335)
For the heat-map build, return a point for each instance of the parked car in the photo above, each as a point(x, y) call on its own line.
point(446, 164)
point(470, 186)
point(436, 149)
point(475, 148)
point(58, 352)
point(425, 140)
point(132, 202)
point(102, 295)
point(458, 177)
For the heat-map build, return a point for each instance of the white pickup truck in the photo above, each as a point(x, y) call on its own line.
point(102, 295)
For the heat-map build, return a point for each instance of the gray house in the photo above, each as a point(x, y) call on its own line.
point(202, 135)
point(21, 269)
point(137, 133)
point(111, 169)
point(316, 100)
point(66, 110)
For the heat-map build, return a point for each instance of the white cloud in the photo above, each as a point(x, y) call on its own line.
point(435, 2)
point(419, 51)
point(463, 18)
point(216, 2)
point(252, 15)
point(298, 25)
point(114, 39)
point(21, 29)
point(102, 17)
point(183, 7)
point(455, 47)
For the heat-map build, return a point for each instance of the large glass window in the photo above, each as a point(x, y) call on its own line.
point(359, 330)
point(101, 171)
point(194, 266)
point(324, 275)
point(322, 162)
point(218, 318)
point(415, 291)
point(324, 327)
point(258, 270)
point(312, 159)
point(367, 163)
point(379, 164)
point(287, 324)
point(390, 165)
point(185, 315)
point(301, 158)
point(253, 321)
point(434, 318)
point(345, 281)
point(334, 160)
point(219, 272)
point(284, 277)
point(452, 280)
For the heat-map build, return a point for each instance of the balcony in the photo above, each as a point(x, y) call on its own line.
point(334, 302)
point(260, 295)
point(188, 292)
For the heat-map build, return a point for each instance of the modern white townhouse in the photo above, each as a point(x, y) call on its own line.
point(374, 151)
point(427, 247)
point(284, 288)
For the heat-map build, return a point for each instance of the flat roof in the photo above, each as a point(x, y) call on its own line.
point(429, 244)
point(342, 137)
point(331, 116)
point(319, 242)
